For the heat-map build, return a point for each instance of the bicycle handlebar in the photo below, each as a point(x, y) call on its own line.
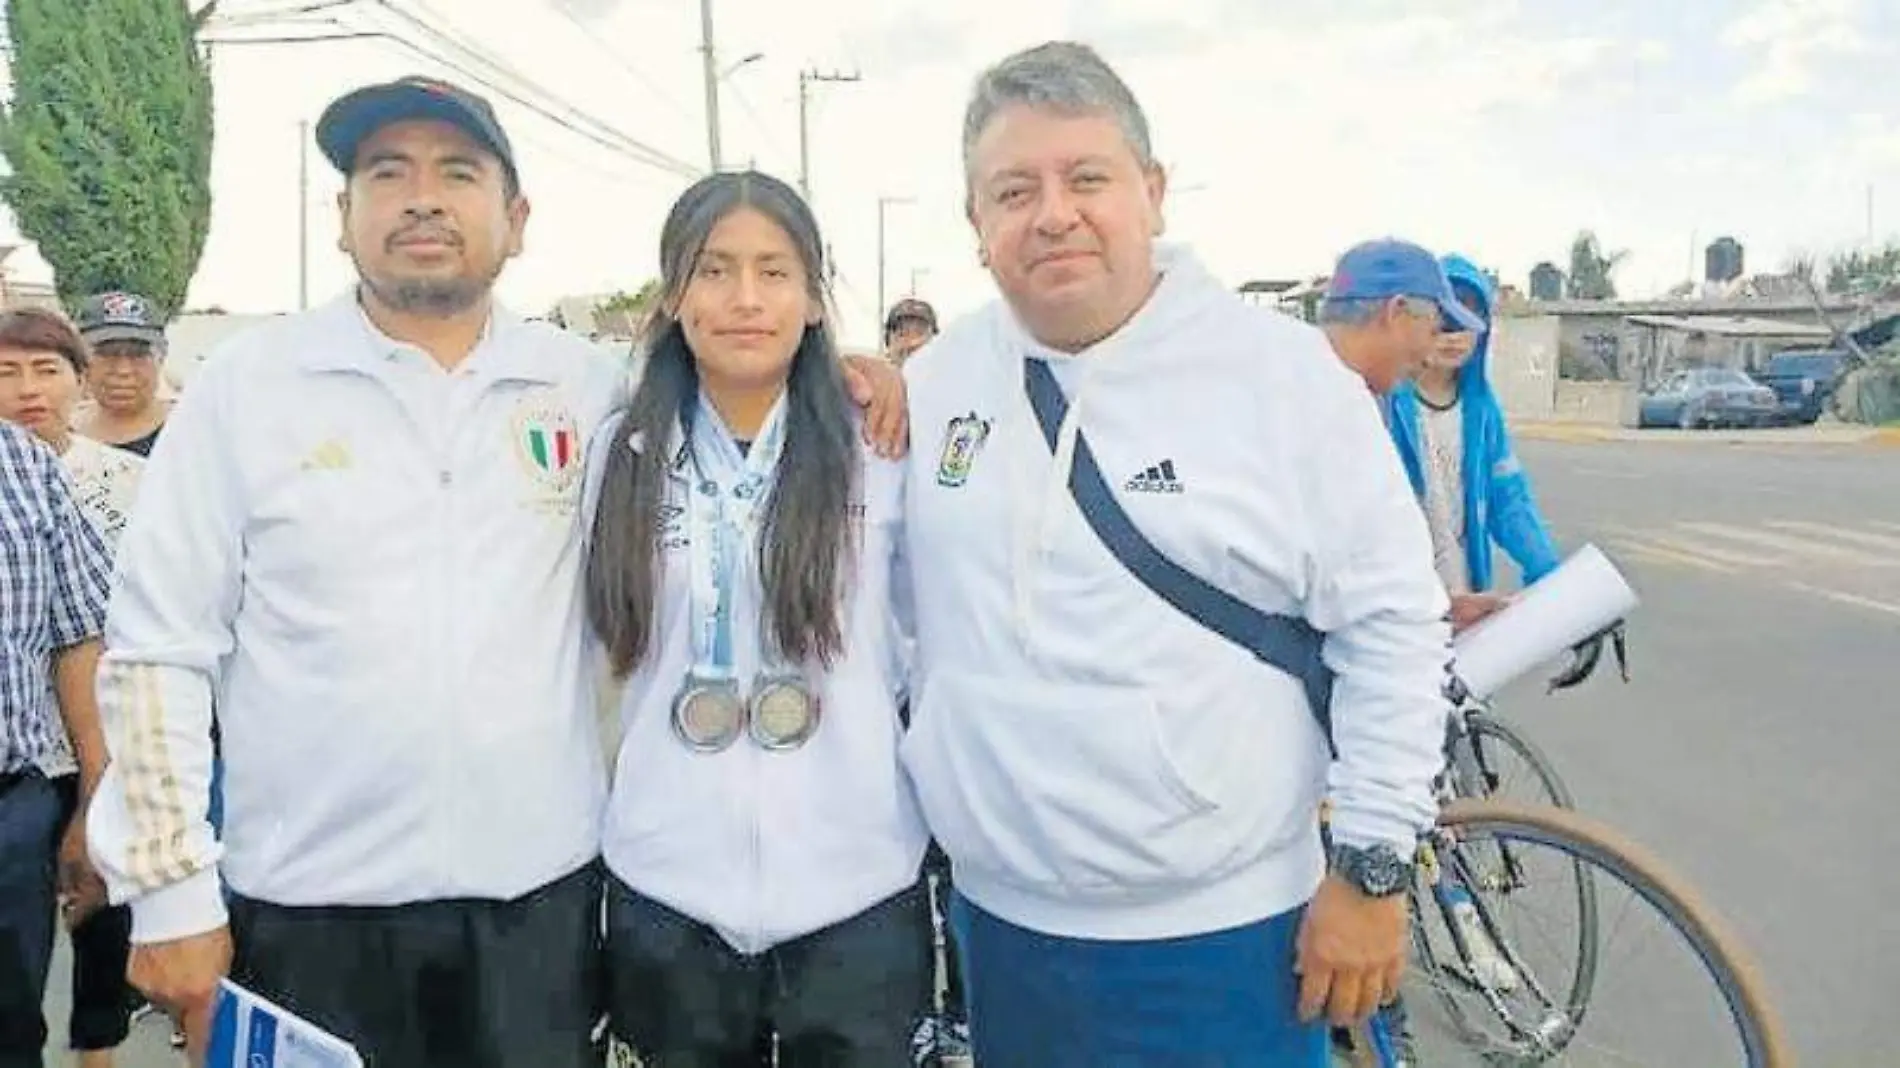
point(1583, 659)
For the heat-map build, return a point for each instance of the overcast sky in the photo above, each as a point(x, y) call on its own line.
point(1292, 128)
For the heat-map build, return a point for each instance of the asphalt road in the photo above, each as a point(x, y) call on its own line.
point(1755, 747)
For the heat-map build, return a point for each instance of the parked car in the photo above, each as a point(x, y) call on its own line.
point(1707, 396)
point(1804, 381)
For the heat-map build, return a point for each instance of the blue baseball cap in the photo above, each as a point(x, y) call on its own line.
point(1387, 268)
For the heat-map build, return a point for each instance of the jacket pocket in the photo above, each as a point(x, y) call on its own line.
point(1069, 788)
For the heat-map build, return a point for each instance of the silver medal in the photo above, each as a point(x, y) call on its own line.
point(784, 713)
point(708, 714)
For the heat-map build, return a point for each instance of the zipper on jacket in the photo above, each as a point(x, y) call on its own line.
point(756, 835)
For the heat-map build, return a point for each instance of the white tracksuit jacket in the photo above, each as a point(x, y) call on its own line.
point(765, 847)
point(1096, 764)
point(375, 567)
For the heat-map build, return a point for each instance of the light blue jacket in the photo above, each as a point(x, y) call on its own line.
point(1498, 501)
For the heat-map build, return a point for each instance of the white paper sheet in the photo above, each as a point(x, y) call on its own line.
point(1566, 606)
point(250, 1032)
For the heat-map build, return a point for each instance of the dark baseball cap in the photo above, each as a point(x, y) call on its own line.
point(911, 308)
point(1387, 268)
point(353, 117)
point(119, 316)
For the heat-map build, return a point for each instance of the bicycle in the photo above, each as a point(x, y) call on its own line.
point(1473, 869)
point(1479, 749)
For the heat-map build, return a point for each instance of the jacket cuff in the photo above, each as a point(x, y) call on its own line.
point(1363, 830)
point(194, 906)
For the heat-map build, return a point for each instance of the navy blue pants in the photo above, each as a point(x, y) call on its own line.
point(1228, 999)
point(30, 826)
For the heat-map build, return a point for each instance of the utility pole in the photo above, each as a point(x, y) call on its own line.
point(710, 68)
point(805, 80)
point(882, 204)
point(303, 215)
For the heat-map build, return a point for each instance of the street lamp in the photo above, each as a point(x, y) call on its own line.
point(746, 62)
point(882, 204)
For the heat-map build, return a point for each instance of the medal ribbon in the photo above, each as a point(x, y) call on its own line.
point(723, 518)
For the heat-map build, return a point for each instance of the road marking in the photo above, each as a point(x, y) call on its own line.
point(1644, 550)
point(1886, 543)
point(1793, 546)
point(1848, 598)
point(1731, 558)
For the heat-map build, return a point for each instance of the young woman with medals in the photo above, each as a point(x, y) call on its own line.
point(764, 845)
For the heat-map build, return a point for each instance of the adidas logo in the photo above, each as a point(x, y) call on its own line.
point(1157, 479)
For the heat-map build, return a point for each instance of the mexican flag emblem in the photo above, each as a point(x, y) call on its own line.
point(548, 444)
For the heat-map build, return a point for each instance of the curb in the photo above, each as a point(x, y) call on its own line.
point(1577, 433)
point(1589, 433)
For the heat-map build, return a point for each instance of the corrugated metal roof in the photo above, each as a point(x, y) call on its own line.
point(1732, 326)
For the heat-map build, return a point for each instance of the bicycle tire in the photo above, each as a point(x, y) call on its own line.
point(1609, 851)
point(1556, 791)
point(1575, 998)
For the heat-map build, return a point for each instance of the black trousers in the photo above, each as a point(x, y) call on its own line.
point(102, 998)
point(848, 996)
point(29, 838)
point(438, 984)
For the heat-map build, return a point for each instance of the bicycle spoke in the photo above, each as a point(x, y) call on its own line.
point(1656, 998)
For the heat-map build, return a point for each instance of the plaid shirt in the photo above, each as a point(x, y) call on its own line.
point(54, 578)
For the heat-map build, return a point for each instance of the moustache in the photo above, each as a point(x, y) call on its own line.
point(434, 233)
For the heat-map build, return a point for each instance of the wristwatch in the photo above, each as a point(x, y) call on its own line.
point(1377, 871)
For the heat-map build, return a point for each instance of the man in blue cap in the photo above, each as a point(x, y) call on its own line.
point(1385, 307)
point(1388, 309)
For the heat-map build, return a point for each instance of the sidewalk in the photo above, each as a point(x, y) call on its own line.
point(1819, 434)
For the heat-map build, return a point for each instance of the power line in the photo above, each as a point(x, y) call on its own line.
point(469, 46)
point(305, 39)
point(473, 50)
point(248, 16)
point(771, 141)
point(623, 146)
point(620, 61)
point(575, 117)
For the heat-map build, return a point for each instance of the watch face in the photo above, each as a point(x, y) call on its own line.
point(1378, 872)
point(1386, 873)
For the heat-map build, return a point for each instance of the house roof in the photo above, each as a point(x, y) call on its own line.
point(1735, 326)
point(1685, 307)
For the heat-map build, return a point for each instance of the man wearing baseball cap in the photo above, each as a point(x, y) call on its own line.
point(126, 336)
point(365, 536)
point(1385, 307)
point(909, 326)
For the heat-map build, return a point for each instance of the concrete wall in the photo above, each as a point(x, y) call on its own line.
point(1606, 339)
point(1599, 403)
point(1523, 366)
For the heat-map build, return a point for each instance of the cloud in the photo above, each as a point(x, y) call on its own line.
point(906, 40)
point(1789, 40)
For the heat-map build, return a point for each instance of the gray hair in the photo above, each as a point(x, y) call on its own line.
point(1363, 311)
point(1060, 76)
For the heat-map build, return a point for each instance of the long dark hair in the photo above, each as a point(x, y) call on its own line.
point(805, 540)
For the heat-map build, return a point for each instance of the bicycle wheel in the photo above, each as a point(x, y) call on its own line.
point(1487, 758)
point(1508, 766)
point(1712, 1011)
